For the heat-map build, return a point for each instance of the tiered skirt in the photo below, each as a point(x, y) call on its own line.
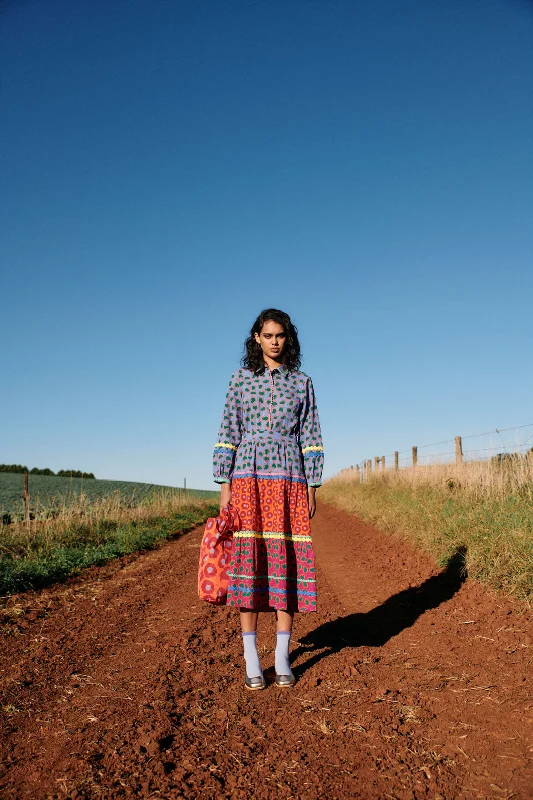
point(272, 565)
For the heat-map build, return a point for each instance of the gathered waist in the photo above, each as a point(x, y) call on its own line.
point(289, 438)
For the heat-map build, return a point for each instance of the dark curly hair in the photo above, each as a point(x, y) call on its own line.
point(253, 354)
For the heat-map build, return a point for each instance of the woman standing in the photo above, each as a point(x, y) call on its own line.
point(269, 459)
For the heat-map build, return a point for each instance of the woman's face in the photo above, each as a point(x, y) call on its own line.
point(272, 339)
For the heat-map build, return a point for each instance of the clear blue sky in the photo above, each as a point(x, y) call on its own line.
point(171, 168)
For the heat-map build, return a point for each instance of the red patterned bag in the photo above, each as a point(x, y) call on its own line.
point(215, 556)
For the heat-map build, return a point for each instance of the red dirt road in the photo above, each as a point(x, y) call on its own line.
point(411, 684)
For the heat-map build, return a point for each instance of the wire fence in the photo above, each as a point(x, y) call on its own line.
point(500, 444)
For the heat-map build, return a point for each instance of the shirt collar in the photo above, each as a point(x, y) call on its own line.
point(282, 369)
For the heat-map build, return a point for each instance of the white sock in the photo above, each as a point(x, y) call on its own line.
point(253, 666)
point(281, 658)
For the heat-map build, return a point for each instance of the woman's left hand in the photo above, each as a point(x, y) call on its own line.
point(311, 499)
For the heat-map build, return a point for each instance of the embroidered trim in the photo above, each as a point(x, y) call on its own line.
point(225, 444)
point(266, 477)
point(269, 577)
point(313, 448)
point(270, 589)
point(291, 537)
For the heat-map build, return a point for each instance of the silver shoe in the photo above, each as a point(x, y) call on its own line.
point(285, 681)
point(255, 683)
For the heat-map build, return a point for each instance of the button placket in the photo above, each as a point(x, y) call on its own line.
point(271, 402)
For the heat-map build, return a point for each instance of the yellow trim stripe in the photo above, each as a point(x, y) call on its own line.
point(225, 444)
point(293, 537)
point(269, 577)
point(314, 448)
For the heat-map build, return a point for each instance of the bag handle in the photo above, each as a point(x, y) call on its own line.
point(228, 520)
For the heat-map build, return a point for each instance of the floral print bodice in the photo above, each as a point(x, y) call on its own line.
point(270, 428)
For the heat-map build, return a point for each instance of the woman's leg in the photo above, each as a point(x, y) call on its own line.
point(251, 656)
point(248, 620)
point(284, 621)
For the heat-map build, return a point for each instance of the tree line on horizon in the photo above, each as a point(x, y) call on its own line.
point(62, 473)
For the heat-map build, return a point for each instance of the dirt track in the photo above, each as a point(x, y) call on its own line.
point(410, 684)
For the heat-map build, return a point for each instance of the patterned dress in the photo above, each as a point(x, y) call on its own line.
point(270, 449)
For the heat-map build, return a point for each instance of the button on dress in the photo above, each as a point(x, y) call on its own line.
point(270, 449)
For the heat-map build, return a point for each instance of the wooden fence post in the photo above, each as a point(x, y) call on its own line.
point(369, 462)
point(415, 456)
point(458, 450)
point(26, 500)
point(358, 473)
point(376, 463)
point(383, 462)
point(396, 460)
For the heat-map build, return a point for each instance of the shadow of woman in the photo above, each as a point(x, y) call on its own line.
point(376, 627)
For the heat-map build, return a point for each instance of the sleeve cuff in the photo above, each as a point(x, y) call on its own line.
point(222, 480)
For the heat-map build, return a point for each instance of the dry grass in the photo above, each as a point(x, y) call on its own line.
point(485, 506)
point(88, 532)
point(495, 478)
point(98, 514)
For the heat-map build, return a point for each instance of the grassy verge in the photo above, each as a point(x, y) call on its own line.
point(484, 507)
point(91, 534)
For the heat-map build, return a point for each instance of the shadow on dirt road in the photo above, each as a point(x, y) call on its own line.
point(376, 627)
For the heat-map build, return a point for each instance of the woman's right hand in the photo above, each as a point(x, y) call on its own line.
point(225, 495)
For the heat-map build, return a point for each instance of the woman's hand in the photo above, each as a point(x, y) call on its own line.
point(311, 499)
point(225, 495)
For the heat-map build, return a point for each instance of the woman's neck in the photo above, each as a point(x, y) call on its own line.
point(271, 364)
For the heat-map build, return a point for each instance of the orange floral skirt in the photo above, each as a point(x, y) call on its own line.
point(272, 565)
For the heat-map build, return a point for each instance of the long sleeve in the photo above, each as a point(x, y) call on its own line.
point(311, 438)
point(229, 435)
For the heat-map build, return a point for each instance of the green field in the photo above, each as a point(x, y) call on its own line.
point(49, 493)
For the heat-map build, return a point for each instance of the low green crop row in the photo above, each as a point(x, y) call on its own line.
point(52, 494)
